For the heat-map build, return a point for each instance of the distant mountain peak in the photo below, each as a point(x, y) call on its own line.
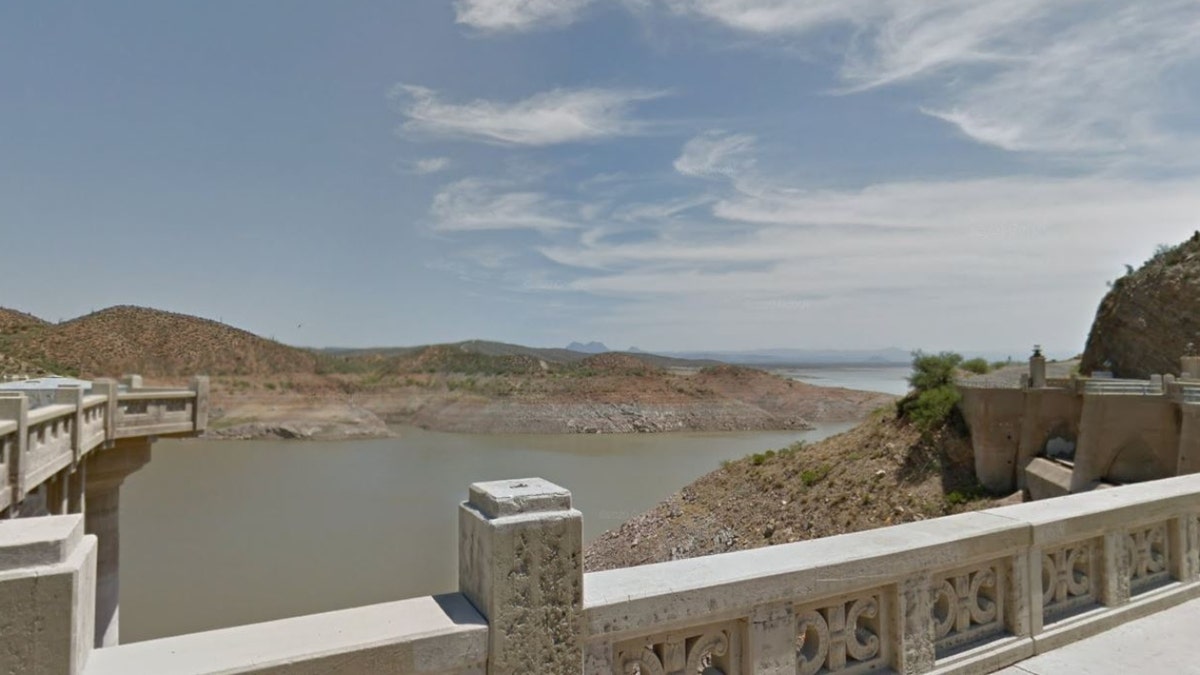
point(589, 348)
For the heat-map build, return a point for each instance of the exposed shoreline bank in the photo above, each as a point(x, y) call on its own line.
point(333, 417)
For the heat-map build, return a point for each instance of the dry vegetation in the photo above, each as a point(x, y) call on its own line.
point(881, 473)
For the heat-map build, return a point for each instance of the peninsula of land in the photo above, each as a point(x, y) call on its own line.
point(264, 389)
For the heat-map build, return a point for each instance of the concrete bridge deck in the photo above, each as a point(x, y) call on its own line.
point(1159, 644)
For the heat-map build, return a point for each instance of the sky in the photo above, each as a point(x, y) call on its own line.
point(666, 174)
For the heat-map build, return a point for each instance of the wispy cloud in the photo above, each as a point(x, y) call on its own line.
point(548, 118)
point(517, 15)
point(715, 153)
point(475, 205)
point(430, 165)
point(1090, 80)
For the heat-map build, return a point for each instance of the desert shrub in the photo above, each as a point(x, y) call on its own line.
point(931, 371)
point(811, 477)
point(977, 366)
point(934, 397)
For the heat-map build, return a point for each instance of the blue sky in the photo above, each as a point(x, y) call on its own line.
point(670, 174)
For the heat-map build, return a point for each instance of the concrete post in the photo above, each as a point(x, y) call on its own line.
point(66, 395)
point(200, 385)
point(1190, 368)
point(771, 641)
point(47, 588)
point(914, 651)
point(16, 407)
point(105, 473)
point(520, 562)
point(107, 387)
point(1114, 570)
point(1037, 370)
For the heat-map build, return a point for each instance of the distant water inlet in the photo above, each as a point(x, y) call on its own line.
point(221, 533)
point(886, 379)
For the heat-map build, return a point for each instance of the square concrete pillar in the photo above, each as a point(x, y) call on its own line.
point(771, 641)
point(913, 632)
point(1114, 571)
point(520, 562)
point(47, 595)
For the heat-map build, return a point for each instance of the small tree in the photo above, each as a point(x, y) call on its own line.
point(934, 396)
point(978, 366)
point(931, 371)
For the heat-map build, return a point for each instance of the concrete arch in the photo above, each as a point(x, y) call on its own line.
point(1134, 462)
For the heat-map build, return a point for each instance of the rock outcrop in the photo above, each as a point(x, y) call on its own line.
point(1150, 318)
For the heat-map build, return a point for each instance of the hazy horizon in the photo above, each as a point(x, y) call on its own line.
point(678, 175)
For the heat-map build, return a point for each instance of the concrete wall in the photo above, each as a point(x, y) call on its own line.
point(1123, 432)
point(1127, 439)
point(1009, 427)
point(995, 419)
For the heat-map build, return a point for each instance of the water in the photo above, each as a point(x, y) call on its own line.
point(887, 379)
point(221, 533)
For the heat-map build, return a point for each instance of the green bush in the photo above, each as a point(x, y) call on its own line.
point(931, 409)
point(977, 366)
point(934, 396)
point(931, 371)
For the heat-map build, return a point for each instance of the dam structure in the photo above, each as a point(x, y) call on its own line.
point(1054, 436)
point(988, 591)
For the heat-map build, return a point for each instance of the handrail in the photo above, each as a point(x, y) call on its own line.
point(50, 412)
point(156, 395)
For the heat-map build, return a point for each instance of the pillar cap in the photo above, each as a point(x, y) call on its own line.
point(34, 542)
point(497, 499)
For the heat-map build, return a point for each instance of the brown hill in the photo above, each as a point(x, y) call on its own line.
point(155, 344)
point(1150, 318)
point(15, 327)
point(13, 322)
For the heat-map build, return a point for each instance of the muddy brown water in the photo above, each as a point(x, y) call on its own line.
point(222, 533)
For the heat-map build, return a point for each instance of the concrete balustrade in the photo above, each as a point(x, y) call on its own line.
point(47, 445)
point(970, 593)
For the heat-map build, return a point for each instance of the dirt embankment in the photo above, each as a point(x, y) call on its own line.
point(307, 406)
point(877, 474)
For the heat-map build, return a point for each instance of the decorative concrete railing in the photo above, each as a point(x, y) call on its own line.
point(1103, 386)
point(971, 593)
point(36, 444)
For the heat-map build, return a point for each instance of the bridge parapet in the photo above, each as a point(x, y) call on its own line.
point(39, 443)
point(970, 593)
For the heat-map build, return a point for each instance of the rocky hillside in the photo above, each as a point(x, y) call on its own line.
point(15, 328)
point(147, 341)
point(1150, 317)
point(880, 473)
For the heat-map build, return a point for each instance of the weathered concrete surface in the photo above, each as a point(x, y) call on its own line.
point(1046, 479)
point(105, 473)
point(520, 563)
point(1126, 439)
point(1155, 645)
point(47, 581)
point(441, 635)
